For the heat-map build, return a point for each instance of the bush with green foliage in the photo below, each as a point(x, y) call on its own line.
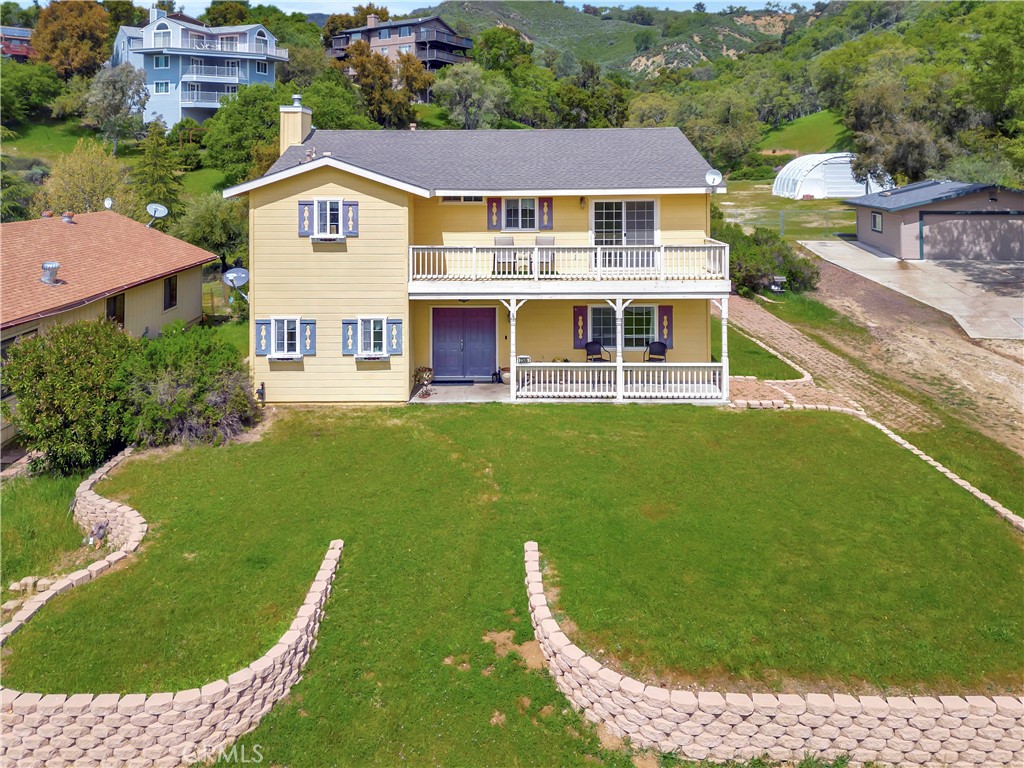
point(756, 258)
point(191, 386)
point(189, 157)
point(71, 386)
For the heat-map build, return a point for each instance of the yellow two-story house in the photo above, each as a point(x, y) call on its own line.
point(570, 263)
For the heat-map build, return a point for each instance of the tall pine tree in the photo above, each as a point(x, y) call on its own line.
point(156, 175)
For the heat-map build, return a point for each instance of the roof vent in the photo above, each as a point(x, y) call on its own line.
point(50, 272)
point(68, 217)
point(412, 126)
point(47, 214)
point(296, 99)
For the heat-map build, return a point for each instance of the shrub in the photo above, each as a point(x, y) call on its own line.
point(756, 258)
point(189, 157)
point(71, 387)
point(191, 387)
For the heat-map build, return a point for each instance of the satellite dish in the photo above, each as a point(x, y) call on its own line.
point(713, 178)
point(157, 211)
point(236, 277)
point(108, 203)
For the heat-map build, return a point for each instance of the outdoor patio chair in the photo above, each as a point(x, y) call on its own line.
point(505, 260)
point(597, 353)
point(545, 258)
point(656, 352)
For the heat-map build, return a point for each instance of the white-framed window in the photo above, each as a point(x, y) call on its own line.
point(162, 62)
point(520, 213)
point(230, 90)
point(162, 36)
point(262, 45)
point(328, 219)
point(284, 338)
point(232, 66)
point(371, 337)
point(383, 51)
point(876, 221)
point(384, 34)
point(404, 49)
point(262, 68)
point(639, 326)
point(229, 43)
point(163, 86)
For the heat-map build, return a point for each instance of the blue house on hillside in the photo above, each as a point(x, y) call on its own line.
point(190, 66)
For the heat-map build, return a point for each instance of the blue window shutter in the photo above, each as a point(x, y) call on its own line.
point(665, 332)
point(394, 337)
point(349, 337)
point(350, 214)
point(545, 213)
point(262, 341)
point(305, 218)
point(307, 337)
point(494, 214)
point(580, 335)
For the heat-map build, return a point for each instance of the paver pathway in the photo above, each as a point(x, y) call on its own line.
point(837, 382)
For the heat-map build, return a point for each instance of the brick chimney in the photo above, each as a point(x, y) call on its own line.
point(296, 123)
point(372, 19)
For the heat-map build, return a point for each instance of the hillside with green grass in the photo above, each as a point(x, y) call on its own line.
point(820, 132)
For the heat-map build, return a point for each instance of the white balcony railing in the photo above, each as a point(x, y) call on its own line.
point(640, 381)
point(706, 261)
point(197, 72)
point(216, 46)
point(204, 98)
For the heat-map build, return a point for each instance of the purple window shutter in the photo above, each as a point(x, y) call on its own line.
point(305, 218)
point(665, 324)
point(580, 335)
point(494, 213)
point(545, 213)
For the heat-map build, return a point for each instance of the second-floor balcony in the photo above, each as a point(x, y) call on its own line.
point(444, 38)
point(433, 54)
point(543, 267)
point(199, 73)
point(218, 47)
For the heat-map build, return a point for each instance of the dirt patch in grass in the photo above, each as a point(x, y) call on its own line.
point(529, 651)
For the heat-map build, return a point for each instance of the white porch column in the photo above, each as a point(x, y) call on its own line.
point(619, 305)
point(512, 305)
point(725, 348)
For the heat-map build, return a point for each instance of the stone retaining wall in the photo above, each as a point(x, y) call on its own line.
point(165, 729)
point(945, 731)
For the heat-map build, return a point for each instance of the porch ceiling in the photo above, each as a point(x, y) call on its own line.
point(547, 289)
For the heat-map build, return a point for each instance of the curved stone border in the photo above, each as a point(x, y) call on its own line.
point(174, 728)
point(127, 528)
point(947, 731)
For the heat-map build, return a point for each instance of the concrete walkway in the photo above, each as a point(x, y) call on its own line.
point(985, 297)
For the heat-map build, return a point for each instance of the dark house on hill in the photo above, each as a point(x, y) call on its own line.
point(434, 42)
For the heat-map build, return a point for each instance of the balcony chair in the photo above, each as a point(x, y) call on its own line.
point(545, 258)
point(505, 261)
point(597, 353)
point(656, 352)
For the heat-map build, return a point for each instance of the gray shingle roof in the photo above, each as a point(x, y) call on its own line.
point(606, 158)
point(913, 195)
point(393, 23)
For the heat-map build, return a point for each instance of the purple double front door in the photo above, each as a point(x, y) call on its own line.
point(464, 343)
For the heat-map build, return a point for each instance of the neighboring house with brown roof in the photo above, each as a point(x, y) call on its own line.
point(110, 266)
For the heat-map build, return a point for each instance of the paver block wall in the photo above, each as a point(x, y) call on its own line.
point(949, 731)
point(160, 729)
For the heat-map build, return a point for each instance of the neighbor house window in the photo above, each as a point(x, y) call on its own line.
point(404, 31)
point(284, 337)
point(638, 327)
point(876, 222)
point(371, 335)
point(162, 62)
point(162, 36)
point(262, 68)
point(404, 49)
point(4, 351)
point(384, 34)
point(115, 308)
point(162, 87)
point(520, 213)
point(461, 199)
point(170, 292)
point(328, 218)
point(383, 51)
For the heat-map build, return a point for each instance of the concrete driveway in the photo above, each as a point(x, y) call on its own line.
point(985, 297)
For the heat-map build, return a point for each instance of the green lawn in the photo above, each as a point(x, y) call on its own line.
point(755, 545)
point(746, 358)
point(47, 140)
point(203, 181)
point(432, 116)
point(752, 204)
point(807, 313)
point(237, 334)
point(37, 530)
point(821, 132)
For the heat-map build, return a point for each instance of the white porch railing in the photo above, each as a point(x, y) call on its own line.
point(705, 261)
point(196, 71)
point(640, 381)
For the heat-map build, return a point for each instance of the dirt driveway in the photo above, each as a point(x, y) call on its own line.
point(926, 350)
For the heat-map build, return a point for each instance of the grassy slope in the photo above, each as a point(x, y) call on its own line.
point(752, 203)
point(821, 132)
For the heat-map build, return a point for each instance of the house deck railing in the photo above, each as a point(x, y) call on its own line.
point(214, 46)
point(705, 261)
point(197, 72)
point(210, 98)
point(640, 381)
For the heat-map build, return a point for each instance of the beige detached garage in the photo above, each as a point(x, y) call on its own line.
point(949, 220)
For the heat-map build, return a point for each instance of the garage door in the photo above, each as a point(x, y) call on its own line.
point(968, 236)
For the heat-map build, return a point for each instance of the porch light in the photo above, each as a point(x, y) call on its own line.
point(583, 202)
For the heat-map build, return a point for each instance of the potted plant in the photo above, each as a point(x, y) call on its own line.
point(424, 375)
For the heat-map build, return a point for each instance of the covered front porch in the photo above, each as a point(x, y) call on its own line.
point(539, 348)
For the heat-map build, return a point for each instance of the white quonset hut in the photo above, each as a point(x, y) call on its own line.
point(820, 176)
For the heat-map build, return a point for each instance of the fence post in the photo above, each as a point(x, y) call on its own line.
point(826, 224)
point(782, 223)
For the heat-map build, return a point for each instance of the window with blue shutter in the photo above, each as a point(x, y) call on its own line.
point(350, 219)
point(305, 218)
point(349, 337)
point(394, 337)
point(261, 345)
point(307, 337)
